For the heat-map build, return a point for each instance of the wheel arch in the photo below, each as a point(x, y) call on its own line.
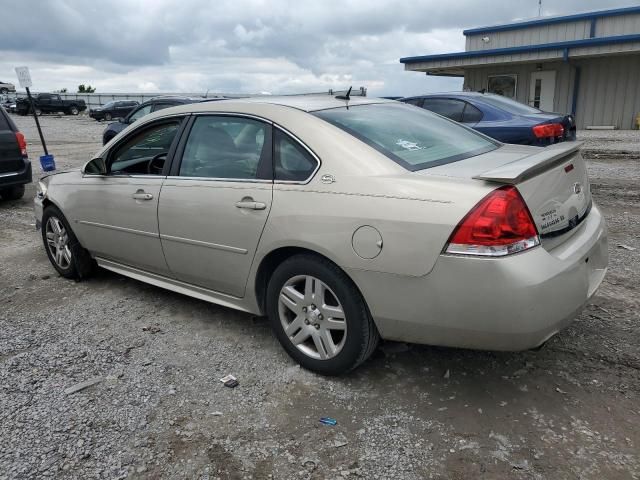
point(270, 262)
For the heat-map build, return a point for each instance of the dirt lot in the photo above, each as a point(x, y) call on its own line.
point(570, 410)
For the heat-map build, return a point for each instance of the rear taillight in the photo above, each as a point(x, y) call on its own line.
point(22, 144)
point(500, 224)
point(547, 130)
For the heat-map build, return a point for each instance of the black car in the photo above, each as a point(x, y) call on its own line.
point(15, 167)
point(115, 109)
point(50, 103)
point(152, 105)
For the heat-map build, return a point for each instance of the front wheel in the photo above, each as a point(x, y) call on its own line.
point(107, 117)
point(4, 91)
point(38, 112)
point(65, 253)
point(319, 316)
point(74, 110)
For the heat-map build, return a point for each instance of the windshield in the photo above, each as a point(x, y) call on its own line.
point(509, 105)
point(412, 137)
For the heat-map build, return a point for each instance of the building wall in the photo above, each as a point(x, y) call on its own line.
point(608, 93)
point(477, 79)
point(557, 32)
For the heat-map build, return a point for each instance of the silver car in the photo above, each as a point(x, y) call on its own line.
point(343, 222)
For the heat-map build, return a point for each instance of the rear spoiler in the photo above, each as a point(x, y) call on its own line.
point(529, 166)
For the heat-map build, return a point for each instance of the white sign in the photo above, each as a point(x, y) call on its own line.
point(24, 77)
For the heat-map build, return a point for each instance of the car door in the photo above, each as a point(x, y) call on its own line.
point(44, 102)
point(214, 205)
point(116, 214)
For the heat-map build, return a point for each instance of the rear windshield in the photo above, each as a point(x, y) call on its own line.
point(509, 105)
point(412, 137)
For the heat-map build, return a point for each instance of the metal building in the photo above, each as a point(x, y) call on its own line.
point(587, 64)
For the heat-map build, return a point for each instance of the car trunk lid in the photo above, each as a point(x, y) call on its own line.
point(553, 182)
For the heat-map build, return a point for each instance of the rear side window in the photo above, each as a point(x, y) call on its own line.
point(412, 137)
point(415, 101)
point(162, 106)
point(471, 114)
point(292, 161)
point(447, 107)
point(224, 147)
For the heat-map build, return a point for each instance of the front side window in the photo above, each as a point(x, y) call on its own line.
point(144, 152)
point(227, 147)
point(415, 101)
point(412, 137)
point(140, 113)
point(292, 161)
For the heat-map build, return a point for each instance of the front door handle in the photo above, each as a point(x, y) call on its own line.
point(251, 205)
point(141, 195)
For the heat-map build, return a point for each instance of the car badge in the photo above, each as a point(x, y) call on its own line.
point(327, 178)
point(577, 188)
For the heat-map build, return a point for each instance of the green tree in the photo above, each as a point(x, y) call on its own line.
point(86, 88)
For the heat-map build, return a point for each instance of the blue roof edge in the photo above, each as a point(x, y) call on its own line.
point(547, 21)
point(525, 48)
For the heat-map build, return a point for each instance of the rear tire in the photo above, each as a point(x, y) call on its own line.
point(38, 112)
point(12, 193)
point(74, 110)
point(4, 91)
point(65, 253)
point(327, 327)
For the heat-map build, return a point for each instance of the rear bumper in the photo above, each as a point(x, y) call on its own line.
point(511, 303)
point(20, 177)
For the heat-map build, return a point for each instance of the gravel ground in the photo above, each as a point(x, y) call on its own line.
point(156, 407)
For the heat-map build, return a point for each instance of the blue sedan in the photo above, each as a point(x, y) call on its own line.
point(499, 117)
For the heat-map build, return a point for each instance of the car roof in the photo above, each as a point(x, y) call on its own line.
point(306, 103)
point(453, 94)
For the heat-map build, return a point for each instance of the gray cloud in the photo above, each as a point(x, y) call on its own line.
point(249, 45)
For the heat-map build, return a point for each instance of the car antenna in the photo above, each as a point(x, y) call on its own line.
point(346, 97)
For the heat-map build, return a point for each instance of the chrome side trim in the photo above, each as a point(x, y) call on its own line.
point(311, 152)
point(215, 179)
point(232, 114)
point(175, 285)
point(119, 229)
point(11, 174)
point(199, 243)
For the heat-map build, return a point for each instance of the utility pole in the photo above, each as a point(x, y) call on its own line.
point(539, 8)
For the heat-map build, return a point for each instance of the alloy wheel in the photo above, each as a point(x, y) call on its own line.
point(312, 317)
point(58, 242)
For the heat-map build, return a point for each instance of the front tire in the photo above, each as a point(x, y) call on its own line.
point(107, 117)
point(12, 193)
point(319, 316)
point(4, 91)
point(65, 253)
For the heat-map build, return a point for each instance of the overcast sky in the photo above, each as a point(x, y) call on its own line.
point(246, 46)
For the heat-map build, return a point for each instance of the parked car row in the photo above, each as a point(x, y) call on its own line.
point(152, 105)
point(342, 220)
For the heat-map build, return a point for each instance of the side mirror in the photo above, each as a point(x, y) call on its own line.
point(95, 167)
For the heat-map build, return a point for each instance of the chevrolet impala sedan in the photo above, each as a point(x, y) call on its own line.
point(342, 221)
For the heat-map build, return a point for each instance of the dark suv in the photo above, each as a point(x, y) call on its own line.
point(153, 105)
point(15, 167)
point(115, 109)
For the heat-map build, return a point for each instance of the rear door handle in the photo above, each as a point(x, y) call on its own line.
point(251, 205)
point(142, 196)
